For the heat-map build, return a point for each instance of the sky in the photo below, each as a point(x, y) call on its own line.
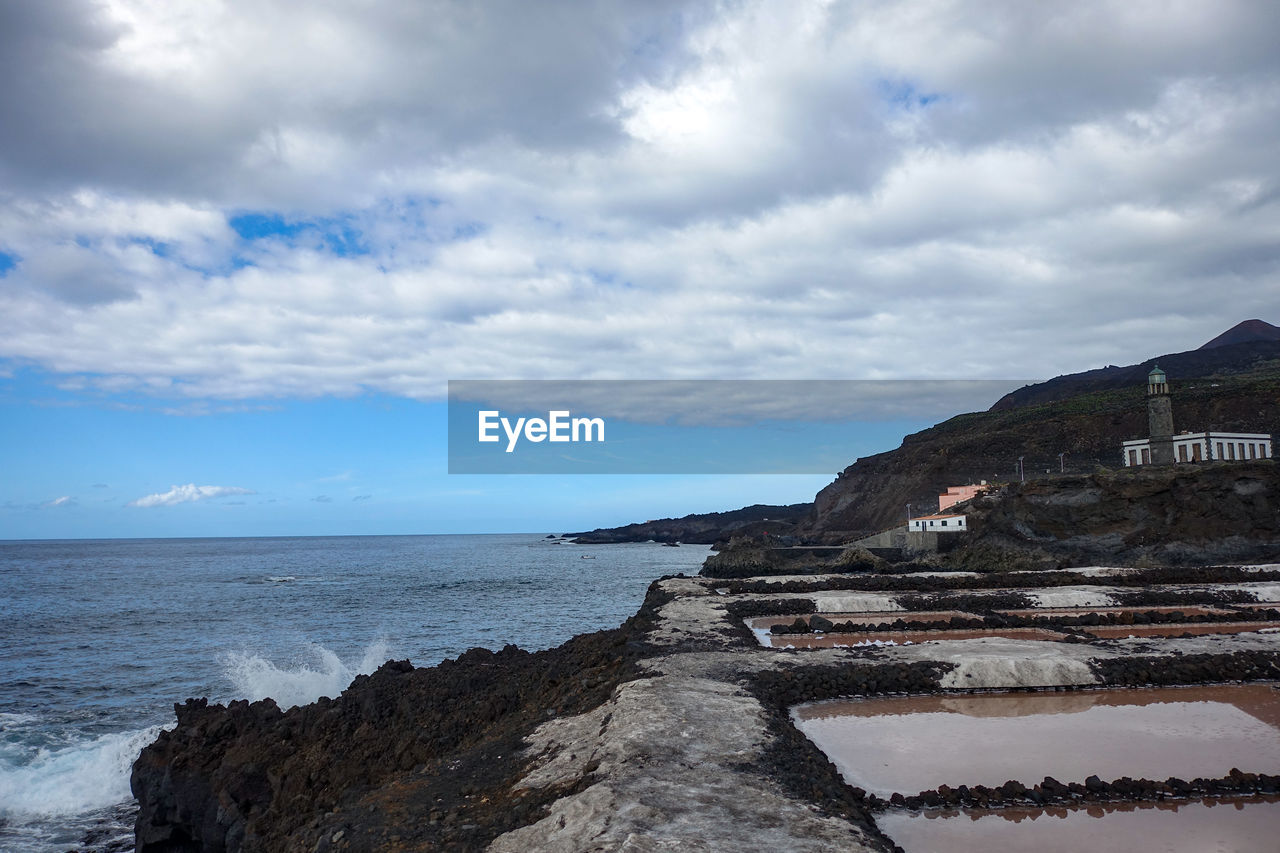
point(245, 245)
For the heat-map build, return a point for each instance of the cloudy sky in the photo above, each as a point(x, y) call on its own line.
point(243, 245)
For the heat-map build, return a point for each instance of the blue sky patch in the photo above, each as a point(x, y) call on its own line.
point(905, 94)
point(7, 262)
point(158, 248)
point(337, 235)
point(257, 226)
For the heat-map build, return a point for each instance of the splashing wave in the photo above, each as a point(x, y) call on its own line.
point(254, 677)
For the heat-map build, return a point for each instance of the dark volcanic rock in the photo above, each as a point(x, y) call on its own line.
point(705, 528)
point(820, 623)
point(396, 748)
point(1176, 515)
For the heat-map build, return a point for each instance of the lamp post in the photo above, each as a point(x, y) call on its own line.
point(1062, 463)
point(1022, 471)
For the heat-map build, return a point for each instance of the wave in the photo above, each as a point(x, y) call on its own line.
point(12, 721)
point(82, 777)
point(281, 578)
point(254, 677)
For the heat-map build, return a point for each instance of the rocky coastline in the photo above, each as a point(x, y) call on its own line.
point(404, 759)
point(675, 729)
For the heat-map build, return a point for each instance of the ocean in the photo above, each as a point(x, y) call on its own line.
point(98, 639)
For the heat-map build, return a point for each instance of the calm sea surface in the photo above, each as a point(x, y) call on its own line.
point(98, 639)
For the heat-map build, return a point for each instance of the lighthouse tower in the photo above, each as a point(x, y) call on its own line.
point(1160, 417)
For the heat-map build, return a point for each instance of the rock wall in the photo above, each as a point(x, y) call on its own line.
point(1176, 515)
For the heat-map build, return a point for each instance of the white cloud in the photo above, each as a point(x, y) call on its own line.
point(742, 190)
point(65, 500)
point(188, 493)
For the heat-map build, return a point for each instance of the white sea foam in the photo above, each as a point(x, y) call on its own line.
point(13, 721)
point(82, 777)
point(254, 677)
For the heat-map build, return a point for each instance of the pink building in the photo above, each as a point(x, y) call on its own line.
point(955, 494)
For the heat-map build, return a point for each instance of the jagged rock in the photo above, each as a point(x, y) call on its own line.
point(821, 623)
point(228, 779)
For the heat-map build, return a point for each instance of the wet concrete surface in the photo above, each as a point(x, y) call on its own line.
point(911, 744)
point(1241, 826)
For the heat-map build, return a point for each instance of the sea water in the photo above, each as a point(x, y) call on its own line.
point(98, 639)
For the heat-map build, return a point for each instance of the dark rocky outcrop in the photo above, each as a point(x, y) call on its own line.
point(705, 528)
point(405, 758)
point(1176, 515)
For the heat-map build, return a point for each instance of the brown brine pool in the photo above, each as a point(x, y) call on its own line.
point(1177, 629)
point(1203, 826)
point(901, 638)
point(912, 744)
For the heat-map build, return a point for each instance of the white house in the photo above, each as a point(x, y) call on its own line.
point(942, 522)
point(1204, 447)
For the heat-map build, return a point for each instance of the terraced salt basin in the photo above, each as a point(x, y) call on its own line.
point(915, 743)
point(1240, 826)
point(880, 618)
point(911, 744)
point(760, 627)
point(1187, 610)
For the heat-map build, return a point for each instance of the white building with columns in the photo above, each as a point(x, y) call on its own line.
point(1204, 447)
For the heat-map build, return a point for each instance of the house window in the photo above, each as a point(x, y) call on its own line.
point(1253, 451)
point(1220, 456)
point(1241, 446)
point(1182, 453)
point(944, 522)
point(1146, 456)
point(1195, 452)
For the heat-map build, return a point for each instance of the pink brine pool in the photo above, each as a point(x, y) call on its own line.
point(1205, 826)
point(911, 744)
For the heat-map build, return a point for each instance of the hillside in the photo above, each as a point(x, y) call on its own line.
point(1209, 360)
point(704, 528)
point(1249, 330)
point(873, 493)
